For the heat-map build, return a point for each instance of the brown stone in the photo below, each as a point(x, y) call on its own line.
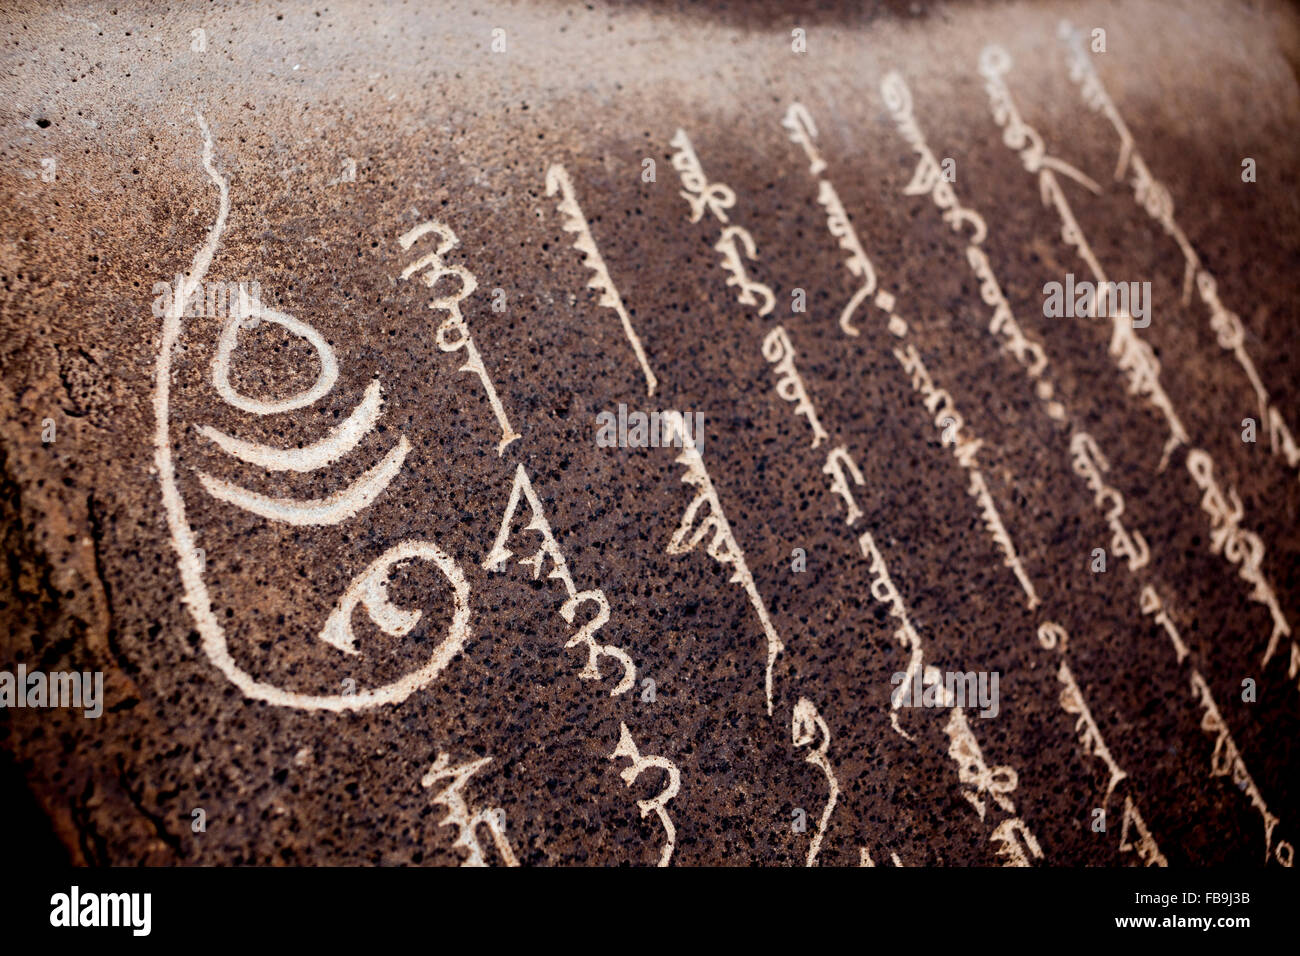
point(437, 126)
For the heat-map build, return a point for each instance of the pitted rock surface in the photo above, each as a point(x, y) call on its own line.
point(339, 130)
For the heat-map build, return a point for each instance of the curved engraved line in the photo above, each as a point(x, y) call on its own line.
point(337, 507)
point(333, 446)
point(196, 595)
point(370, 588)
point(847, 314)
point(407, 239)
point(586, 634)
point(329, 368)
point(1065, 169)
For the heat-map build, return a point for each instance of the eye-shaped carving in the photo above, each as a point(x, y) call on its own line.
point(252, 309)
point(319, 511)
point(369, 588)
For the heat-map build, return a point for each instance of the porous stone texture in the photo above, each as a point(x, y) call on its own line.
point(439, 126)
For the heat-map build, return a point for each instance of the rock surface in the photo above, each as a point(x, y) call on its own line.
point(238, 728)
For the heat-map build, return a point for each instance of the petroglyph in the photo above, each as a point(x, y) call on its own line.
point(941, 406)
point(1226, 761)
point(808, 729)
point(550, 548)
point(733, 243)
point(1145, 847)
point(657, 804)
point(338, 507)
point(1238, 546)
point(1133, 356)
point(453, 332)
point(979, 779)
point(779, 351)
point(898, 100)
point(1154, 198)
point(368, 587)
point(836, 462)
point(459, 814)
point(340, 440)
point(342, 514)
point(803, 131)
point(722, 545)
point(698, 192)
point(252, 309)
point(1090, 738)
point(1088, 461)
point(557, 180)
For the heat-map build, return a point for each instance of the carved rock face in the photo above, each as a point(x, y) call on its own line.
point(369, 587)
point(679, 438)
